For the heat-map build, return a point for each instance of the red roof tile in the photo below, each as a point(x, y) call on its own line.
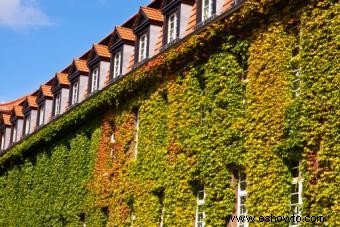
point(152, 14)
point(81, 65)
point(18, 111)
point(46, 90)
point(5, 107)
point(125, 33)
point(102, 51)
point(63, 78)
point(7, 119)
point(32, 101)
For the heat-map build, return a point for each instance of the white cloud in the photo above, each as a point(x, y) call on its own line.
point(21, 13)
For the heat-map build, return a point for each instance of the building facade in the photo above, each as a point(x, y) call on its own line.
point(191, 113)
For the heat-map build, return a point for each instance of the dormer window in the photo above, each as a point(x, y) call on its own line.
point(207, 9)
point(75, 92)
point(2, 141)
point(117, 64)
point(14, 133)
point(172, 27)
point(41, 115)
point(57, 104)
point(94, 80)
point(143, 45)
point(27, 125)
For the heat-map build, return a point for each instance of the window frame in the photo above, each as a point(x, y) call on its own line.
point(241, 193)
point(27, 125)
point(41, 118)
point(2, 140)
point(14, 132)
point(57, 104)
point(200, 16)
point(146, 48)
point(170, 38)
point(117, 72)
point(74, 95)
point(297, 180)
point(200, 203)
point(94, 82)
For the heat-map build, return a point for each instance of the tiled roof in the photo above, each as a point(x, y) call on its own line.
point(46, 90)
point(152, 14)
point(63, 79)
point(81, 65)
point(32, 101)
point(102, 51)
point(7, 119)
point(126, 33)
point(5, 107)
point(18, 111)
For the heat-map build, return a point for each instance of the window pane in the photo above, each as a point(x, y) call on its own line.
point(294, 198)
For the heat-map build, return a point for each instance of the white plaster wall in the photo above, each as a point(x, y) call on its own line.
point(185, 15)
point(154, 34)
point(128, 52)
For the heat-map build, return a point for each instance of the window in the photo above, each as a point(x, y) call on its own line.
point(14, 133)
point(207, 9)
point(296, 194)
point(75, 91)
point(143, 43)
point(117, 64)
point(241, 199)
point(41, 115)
point(172, 27)
point(94, 80)
point(200, 213)
point(2, 141)
point(296, 82)
point(57, 104)
point(27, 124)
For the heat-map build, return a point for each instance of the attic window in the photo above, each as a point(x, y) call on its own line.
point(94, 80)
point(207, 9)
point(75, 91)
point(14, 133)
point(143, 45)
point(41, 115)
point(27, 124)
point(117, 64)
point(2, 141)
point(172, 27)
point(57, 104)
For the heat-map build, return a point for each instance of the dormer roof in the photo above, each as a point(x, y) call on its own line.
point(101, 50)
point(18, 111)
point(79, 65)
point(30, 101)
point(7, 107)
point(62, 79)
point(125, 33)
point(149, 14)
point(6, 119)
point(46, 90)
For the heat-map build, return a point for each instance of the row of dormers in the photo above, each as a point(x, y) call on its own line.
point(153, 29)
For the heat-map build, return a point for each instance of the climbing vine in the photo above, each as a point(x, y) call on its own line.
point(190, 120)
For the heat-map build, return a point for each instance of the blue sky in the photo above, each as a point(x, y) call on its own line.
point(40, 37)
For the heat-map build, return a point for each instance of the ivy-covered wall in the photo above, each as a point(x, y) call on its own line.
point(184, 122)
